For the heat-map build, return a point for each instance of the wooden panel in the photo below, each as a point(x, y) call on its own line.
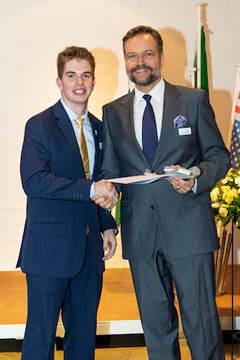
point(118, 300)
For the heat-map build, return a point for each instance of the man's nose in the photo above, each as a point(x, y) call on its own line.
point(140, 60)
point(79, 80)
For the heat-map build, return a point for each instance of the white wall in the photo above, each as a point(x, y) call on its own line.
point(32, 32)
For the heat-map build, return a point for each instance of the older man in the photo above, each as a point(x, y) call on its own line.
point(168, 229)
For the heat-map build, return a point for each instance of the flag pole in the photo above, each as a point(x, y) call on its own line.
point(235, 97)
point(192, 77)
point(199, 25)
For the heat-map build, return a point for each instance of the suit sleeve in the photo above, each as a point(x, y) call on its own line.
point(37, 178)
point(215, 156)
point(110, 165)
point(107, 221)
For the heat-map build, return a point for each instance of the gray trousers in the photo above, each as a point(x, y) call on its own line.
point(195, 285)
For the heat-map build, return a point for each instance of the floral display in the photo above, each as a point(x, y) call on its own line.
point(225, 196)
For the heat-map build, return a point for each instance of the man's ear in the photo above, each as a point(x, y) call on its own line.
point(59, 83)
point(162, 58)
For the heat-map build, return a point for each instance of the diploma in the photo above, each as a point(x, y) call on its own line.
point(151, 177)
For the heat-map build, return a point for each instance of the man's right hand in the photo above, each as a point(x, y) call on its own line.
point(106, 195)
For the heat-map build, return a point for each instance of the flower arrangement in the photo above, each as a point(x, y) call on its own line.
point(225, 196)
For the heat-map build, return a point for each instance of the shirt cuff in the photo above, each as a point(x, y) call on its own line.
point(92, 190)
point(194, 188)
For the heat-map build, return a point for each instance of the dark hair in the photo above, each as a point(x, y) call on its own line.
point(141, 29)
point(74, 52)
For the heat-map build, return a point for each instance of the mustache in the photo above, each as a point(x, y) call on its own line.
point(141, 67)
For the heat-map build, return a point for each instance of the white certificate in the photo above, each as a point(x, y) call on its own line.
point(148, 178)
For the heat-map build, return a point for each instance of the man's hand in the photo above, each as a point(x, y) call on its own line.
point(180, 185)
point(106, 195)
point(109, 243)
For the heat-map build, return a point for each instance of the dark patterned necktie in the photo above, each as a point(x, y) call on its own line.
point(149, 131)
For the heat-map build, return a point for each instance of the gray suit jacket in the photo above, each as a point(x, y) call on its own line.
point(185, 222)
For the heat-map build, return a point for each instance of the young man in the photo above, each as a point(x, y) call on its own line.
point(62, 251)
point(167, 227)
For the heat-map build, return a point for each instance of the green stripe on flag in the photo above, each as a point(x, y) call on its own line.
point(204, 72)
point(118, 211)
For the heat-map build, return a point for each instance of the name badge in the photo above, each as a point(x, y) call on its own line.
point(100, 145)
point(185, 131)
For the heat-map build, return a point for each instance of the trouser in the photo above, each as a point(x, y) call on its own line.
point(77, 298)
point(195, 285)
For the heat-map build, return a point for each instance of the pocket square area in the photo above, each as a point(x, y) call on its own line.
point(180, 121)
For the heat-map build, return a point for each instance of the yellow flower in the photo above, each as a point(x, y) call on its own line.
point(226, 179)
point(225, 198)
point(237, 181)
point(223, 212)
point(214, 194)
point(231, 195)
point(225, 190)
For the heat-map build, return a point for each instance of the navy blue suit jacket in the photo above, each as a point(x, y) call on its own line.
point(59, 209)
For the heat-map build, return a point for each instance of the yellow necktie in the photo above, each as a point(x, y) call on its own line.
point(83, 147)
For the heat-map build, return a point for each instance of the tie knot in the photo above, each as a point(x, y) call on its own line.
point(79, 121)
point(147, 97)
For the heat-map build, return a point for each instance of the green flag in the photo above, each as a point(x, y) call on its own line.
point(204, 73)
point(117, 213)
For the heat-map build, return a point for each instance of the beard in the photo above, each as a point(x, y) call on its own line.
point(147, 80)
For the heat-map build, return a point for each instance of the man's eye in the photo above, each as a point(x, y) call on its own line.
point(132, 57)
point(86, 76)
point(148, 54)
point(70, 76)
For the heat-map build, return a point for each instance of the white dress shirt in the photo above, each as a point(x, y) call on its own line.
point(87, 130)
point(139, 105)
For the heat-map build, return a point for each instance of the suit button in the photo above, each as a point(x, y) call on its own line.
point(85, 224)
point(152, 207)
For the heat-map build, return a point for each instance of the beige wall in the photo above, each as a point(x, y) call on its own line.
point(32, 32)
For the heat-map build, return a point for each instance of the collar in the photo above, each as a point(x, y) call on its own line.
point(71, 114)
point(156, 93)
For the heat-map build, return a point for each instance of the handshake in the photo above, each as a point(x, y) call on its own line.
point(106, 195)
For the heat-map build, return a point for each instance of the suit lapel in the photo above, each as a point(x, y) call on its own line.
point(65, 125)
point(171, 108)
point(126, 114)
point(98, 143)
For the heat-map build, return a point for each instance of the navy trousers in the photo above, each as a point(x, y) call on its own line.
point(77, 298)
